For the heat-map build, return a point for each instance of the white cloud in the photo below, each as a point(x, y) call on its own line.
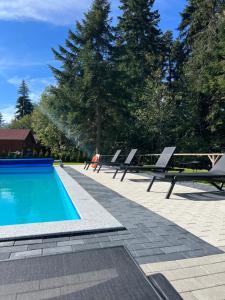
point(32, 82)
point(35, 97)
point(53, 11)
point(8, 113)
point(9, 62)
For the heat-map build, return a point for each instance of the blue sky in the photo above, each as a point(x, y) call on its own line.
point(30, 28)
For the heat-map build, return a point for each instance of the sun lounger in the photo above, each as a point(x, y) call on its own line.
point(100, 162)
point(215, 176)
point(113, 162)
point(108, 273)
point(161, 165)
point(127, 162)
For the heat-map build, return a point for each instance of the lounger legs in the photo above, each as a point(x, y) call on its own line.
point(114, 176)
point(95, 167)
point(173, 182)
point(124, 174)
point(150, 184)
point(219, 187)
point(87, 166)
point(99, 168)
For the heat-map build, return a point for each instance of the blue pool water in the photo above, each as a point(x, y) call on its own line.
point(33, 195)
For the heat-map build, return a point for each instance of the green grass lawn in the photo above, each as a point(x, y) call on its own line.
point(68, 163)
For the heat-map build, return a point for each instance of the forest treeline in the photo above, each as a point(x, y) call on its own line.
point(132, 85)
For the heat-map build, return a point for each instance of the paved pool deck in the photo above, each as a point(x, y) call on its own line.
point(183, 237)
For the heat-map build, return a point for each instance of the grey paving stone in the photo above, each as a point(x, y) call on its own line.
point(122, 237)
point(56, 239)
point(4, 256)
point(97, 239)
point(172, 249)
point(70, 242)
point(81, 237)
point(57, 250)
point(135, 246)
point(13, 249)
point(6, 243)
point(138, 241)
point(146, 252)
point(42, 245)
point(26, 254)
point(112, 244)
point(28, 242)
point(86, 246)
point(159, 258)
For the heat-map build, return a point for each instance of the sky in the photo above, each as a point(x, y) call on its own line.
point(30, 28)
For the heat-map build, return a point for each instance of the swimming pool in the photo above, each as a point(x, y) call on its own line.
point(33, 194)
point(38, 199)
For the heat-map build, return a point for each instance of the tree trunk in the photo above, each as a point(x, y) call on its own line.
point(98, 128)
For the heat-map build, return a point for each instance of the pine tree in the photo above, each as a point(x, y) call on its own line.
point(24, 105)
point(1, 120)
point(86, 76)
point(138, 37)
point(202, 34)
point(138, 57)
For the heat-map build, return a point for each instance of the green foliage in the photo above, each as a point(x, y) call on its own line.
point(22, 123)
point(2, 123)
point(137, 58)
point(50, 132)
point(203, 32)
point(138, 37)
point(24, 106)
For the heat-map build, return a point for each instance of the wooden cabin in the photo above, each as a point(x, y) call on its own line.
point(16, 140)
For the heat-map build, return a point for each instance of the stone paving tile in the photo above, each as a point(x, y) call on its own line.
point(24, 254)
point(28, 242)
point(86, 246)
point(207, 271)
point(57, 250)
point(214, 293)
point(13, 249)
point(70, 243)
point(4, 256)
point(188, 284)
point(185, 273)
point(56, 239)
point(42, 245)
point(98, 239)
point(7, 243)
point(159, 258)
point(188, 296)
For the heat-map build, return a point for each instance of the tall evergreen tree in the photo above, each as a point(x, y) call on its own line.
point(138, 57)
point(24, 105)
point(1, 120)
point(202, 33)
point(87, 63)
point(138, 38)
